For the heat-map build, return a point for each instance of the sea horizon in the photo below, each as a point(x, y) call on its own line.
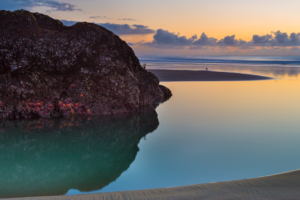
point(272, 66)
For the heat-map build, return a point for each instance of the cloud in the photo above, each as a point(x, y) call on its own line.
point(284, 40)
point(98, 17)
point(58, 6)
point(125, 29)
point(139, 26)
point(128, 19)
point(231, 41)
point(30, 4)
point(265, 39)
point(228, 41)
point(295, 38)
point(164, 38)
point(279, 39)
point(205, 41)
point(120, 29)
point(15, 4)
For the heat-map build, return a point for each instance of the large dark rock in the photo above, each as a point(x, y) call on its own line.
point(48, 70)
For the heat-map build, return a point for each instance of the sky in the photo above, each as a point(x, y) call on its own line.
point(188, 28)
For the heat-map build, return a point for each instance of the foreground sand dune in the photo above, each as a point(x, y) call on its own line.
point(282, 186)
point(189, 75)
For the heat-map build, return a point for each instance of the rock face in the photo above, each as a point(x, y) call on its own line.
point(50, 70)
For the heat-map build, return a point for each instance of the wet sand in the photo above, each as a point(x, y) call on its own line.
point(189, 75)
point(281, 186)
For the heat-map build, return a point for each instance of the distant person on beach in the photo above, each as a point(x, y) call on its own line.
point(206, 69)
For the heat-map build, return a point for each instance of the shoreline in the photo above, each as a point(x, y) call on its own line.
point(280, 186)
point(190, 75)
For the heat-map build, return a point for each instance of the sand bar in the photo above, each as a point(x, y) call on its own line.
point(281, 186)
point(189, 75)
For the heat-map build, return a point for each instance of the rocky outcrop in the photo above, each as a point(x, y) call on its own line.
point(51, 70)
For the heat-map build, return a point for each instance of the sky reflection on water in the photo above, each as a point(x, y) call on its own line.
point(50, 157)
point(219, 131)
point(208, 132)
point(271, 66)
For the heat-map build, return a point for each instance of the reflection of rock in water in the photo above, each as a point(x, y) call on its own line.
point(41, 158)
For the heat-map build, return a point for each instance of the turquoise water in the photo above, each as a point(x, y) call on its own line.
point(50, 157)
point(207, 132)
point(219, 131)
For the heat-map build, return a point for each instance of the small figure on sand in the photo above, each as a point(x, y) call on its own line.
point(206, 68)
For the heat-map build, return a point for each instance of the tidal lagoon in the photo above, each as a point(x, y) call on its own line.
point(209, 131)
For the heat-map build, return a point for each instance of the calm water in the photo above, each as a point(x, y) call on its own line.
point(207, 132)
point(272, 66)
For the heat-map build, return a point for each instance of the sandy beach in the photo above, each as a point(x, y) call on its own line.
point(281, 186)
point(189, 75)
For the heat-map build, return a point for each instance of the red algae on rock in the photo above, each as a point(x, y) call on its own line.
point(51, 70)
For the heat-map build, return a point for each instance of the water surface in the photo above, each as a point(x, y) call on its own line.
point(272, 66)
point(207, 132)
point(219, 131)
point(50, 157)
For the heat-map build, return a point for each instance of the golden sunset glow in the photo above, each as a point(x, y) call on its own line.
point(216, 18)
